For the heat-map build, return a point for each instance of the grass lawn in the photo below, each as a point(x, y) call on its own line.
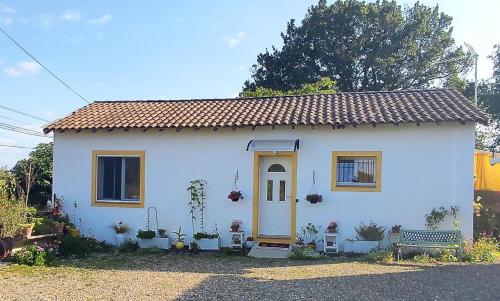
point(140, 276)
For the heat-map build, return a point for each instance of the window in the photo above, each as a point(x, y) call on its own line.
point(118, 178)
point(269, 190)
point(282, 191)
point(276, 168)
point(356, 171)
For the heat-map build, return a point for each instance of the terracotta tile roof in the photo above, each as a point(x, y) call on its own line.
point(341, 109)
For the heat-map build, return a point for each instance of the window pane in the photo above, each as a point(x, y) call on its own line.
point(270, 190)
point(282, 191)
point(356, 170)
point(132, 178)
point(109, 173)
point(276, 168)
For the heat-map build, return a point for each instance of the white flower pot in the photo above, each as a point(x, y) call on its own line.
point(209, 244)
point(157, 242)
point(120, 239)
point(360, 246)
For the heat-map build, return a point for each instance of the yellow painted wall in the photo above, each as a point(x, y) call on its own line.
point(486, 176)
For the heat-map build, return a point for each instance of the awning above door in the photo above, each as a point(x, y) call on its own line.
point(273, 145)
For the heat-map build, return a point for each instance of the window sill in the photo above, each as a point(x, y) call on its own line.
point(355, 184)
point(124, 204)
point(356, 188)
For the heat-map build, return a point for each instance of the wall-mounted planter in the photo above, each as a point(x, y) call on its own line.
point(157, 242)
point(360, 246)
point(209, 244)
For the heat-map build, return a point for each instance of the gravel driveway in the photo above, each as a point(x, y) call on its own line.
point(213, 277)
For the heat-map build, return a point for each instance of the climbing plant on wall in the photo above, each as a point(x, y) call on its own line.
point(197, 198)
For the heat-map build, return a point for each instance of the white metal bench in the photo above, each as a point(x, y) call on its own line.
point(429, 239)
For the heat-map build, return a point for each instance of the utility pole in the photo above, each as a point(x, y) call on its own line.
point(475, 56)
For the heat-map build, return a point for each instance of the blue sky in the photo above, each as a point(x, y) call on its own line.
point(157, 50)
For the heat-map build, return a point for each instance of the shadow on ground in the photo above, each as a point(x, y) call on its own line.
point(243, 278)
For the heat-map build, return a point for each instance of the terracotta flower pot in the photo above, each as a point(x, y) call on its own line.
point(59, 228)
point(26, 232)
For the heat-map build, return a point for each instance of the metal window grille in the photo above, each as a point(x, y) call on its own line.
point(356, 170)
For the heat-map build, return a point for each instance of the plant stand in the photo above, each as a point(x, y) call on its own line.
point(331, 243)
point(237, 239)
point(120, 239)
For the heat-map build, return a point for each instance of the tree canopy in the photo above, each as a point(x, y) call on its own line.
point(37, 170)
point(363, 46)
point(324, 86)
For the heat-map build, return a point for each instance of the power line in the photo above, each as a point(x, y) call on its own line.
point(12, 119)
point(21, 130)
point(16, 146)
point(51, 73)
point(22, 113)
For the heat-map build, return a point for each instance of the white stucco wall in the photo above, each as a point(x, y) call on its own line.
point(422, 167)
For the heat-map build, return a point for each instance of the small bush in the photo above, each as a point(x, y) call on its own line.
point(483, 250)
point(447, 256)
point(43, 226)
point(74, 246)
point(194, 248)
point(146, 234)
point(201, 235)
point(304, 253)
point(13, 214)
point(422, 258)
point(128, 246)
point(98, 246)
point(34, 255)
point(370, 232)
point(379, 256)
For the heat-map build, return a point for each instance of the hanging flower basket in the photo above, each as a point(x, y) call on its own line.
point(235, 196)
point(314, 198)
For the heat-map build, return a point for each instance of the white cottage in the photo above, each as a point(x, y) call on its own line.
point(387, 157)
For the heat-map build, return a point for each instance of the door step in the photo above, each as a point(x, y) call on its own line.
point(270, 250)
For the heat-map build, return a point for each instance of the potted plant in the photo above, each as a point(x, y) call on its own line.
point(235, 225)
point(27, 229)
point(146, 238)
point(235, 196)
point(309, 233)
point(179, 245)
point(368, 238)
point(6, 244)
point(394, 233)
point(249, 242)
point(332, 227)
point(208, 241)
point(120, 232)
point(314, 198)
point(73, 231)
point(59, 228)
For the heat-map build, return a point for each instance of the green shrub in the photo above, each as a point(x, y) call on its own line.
point(447, 256)
point(422, 258)
point(370, 232)
point(304, 253)
point(379, 256)
point(34, 255)
point(98, 246)
point(128, 246)
point(43, 225)
point(146, 234)
point(13, 214)
point(483, 250)
point(74, 246)
point(201, 235)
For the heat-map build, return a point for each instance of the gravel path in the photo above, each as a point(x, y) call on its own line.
point(211, 277)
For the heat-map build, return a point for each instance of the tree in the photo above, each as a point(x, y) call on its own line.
point(324, 86)
point(363, 46)
point(34, 175)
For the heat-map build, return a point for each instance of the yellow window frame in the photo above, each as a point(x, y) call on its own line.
point(97, 203)
point(378, 171)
